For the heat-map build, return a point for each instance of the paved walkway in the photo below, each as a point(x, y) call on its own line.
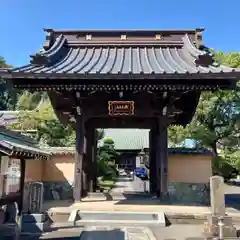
point(126, 184)
point(98, 233)
point(123, 184)
point(133, 204)
point(109, 233)
point(174, 232)
point(146, 205)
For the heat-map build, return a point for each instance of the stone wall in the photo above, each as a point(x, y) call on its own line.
point(58, 190)
point(185, 185)
point(179, 193)
point(189, 193)
point(53, 190)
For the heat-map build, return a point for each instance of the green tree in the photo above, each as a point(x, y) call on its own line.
point(106, 157)
point(8, 95)
point(216, 121)
point(177, 135)
point(30, 101)
point(49, 130)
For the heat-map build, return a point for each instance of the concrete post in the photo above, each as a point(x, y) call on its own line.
point(217, 196)
point(211, 227)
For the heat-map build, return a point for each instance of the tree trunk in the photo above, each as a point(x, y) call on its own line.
point(214, 148)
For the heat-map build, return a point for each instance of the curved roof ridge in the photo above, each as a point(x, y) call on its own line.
point(202, 54)
point(45, 57)
point(109, 31)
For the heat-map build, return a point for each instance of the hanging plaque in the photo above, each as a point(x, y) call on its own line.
point(121, 108)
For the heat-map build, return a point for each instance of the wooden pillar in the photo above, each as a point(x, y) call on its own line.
point(158, 164)
point(152, 161)
point(164, 161)
point(90, 158)
point(162, 158)
point(22, 181)
point(95, 142)
point(78, 176)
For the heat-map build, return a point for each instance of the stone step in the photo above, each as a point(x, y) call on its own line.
point(116, 223)
point(118, 195)
point(91, 216)
point(124, 216)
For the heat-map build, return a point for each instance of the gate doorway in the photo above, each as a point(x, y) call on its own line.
point(131, 148)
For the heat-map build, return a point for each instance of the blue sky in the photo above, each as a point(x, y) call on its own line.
point(22, 21)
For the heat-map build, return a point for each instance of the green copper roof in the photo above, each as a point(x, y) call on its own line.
point(11, 141)
point(138, 139)
point(128, 139)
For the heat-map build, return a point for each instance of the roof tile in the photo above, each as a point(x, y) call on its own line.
point(123, 57)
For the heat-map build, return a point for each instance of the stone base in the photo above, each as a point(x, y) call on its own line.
point(34, 223)
point(9, 231)
point(2, 216)
point(35, 227)
point(189, 193)
point(34, 217)
point(211, 227)
point(53, 190)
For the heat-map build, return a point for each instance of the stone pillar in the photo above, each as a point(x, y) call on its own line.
point(78, 175)
point(152, 161)
point(35, 197)
point(218, 210)
point(217, 196)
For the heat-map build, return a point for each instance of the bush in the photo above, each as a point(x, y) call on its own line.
point(222, 168)
point(108, 141)
point(110, 173)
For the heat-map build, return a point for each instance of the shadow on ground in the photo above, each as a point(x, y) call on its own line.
point(149, 199)
point(115, 234)
point(118, 186)
point(124, 179)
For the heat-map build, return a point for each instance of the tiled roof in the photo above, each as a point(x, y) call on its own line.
point(7, 118)
point(130, 140)
point(138, 139)
point(14, 142)
point(61, 150)
point(127, 139)
point(113, 57)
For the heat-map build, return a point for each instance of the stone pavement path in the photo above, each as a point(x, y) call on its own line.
point(126, 184)
point(123, 184)
point(173, 232)
point(123, 233)
point(98, 233)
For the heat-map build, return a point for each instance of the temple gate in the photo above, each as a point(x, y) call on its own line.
point(123, 79)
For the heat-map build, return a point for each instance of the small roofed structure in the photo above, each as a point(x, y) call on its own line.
point(18, 147)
